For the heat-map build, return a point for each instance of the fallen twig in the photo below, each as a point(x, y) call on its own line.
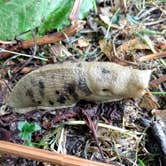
point(152, 56)
point(158, 81)
point(45, 155)
point(47, 39)
point(54, 37)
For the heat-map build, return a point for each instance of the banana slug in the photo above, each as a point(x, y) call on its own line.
point(63, 85)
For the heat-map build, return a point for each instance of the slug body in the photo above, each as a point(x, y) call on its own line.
point(63, 85)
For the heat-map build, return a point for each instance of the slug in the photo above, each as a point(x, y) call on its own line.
point(63, 85)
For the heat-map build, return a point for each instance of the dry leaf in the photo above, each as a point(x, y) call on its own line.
point(60, 52)
point(133, 44)
point(25, 70)
point(106, 48)
point(83, 43)
point(148, 101)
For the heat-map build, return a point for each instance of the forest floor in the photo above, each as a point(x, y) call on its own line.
point(125, 132)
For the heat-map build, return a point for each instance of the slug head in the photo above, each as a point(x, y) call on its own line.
point(119, 82)
point(138, 82)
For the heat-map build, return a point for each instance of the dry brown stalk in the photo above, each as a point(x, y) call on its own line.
point(159, 80)
point(47, 39)
point(152, 56)
point(45, 155)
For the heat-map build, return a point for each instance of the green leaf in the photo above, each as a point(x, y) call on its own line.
point(58, 18)
point(25, 135)
point(21, 125)
point(26, 129)
point(20, 16)
point(150, 32)
point(114, 20)
point(28, 143)
point(85, 7)
point(158, 93)
point(2, 1)
point(140, 162)
point(116, 17)
point(37, 127)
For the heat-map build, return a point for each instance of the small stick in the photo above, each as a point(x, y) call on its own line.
point(159, 80)
point(45, 155)
point(47, 39)
point(152, 56)
point(54, 37)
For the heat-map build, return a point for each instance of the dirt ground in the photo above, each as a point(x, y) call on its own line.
point(120, 132)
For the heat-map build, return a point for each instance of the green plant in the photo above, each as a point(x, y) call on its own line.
point(26, 129)
point(21, 16)
point(140, 162)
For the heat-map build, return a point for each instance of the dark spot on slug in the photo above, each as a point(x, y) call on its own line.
point(39, 102)
point(33, 82)
point(61, 99)
point(41, 84)
point(79, 65)
point(57, 92)
point(51, 102)
point(105, 71)
point(29, 93)
point(52, 76)
point(82, 85)
point(105, 90)
point(109, 91)
point(71, 90)
point(41, 87)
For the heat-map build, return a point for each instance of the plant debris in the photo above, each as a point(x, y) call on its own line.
point(126, 132)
